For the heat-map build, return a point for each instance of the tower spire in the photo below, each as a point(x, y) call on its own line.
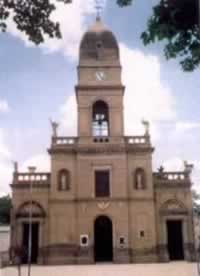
point(99, 4)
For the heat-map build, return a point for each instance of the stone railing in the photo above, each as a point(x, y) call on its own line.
point(66, 141)
point(172, 176)
point(35, 178)
point(137, 140)
point(101, 139)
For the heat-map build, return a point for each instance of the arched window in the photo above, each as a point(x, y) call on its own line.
point(100, 119)
point(139, 179)
point(63, 180)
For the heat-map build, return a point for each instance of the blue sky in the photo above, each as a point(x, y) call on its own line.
point(37, 83)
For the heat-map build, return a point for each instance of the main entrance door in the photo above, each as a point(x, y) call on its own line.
point(35, 242)
point(175, 240)
point(103, 239)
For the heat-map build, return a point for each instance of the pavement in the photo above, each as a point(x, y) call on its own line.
point(169, 269)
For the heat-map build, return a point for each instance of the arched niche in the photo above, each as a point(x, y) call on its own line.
point(100, 119)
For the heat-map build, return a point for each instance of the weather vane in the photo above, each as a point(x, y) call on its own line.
point(99, 8)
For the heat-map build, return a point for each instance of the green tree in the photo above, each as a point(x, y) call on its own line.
point(196, 201)
point(33, 17)
point(176, 22)
point(5, 207)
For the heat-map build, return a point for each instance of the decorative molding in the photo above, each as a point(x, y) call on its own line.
point(173, 207)
point(166, 184)
point(97, 200)
point(97, 87)
point(24, 210)
point(107, 148)
point(103, 205)
point(27, 186)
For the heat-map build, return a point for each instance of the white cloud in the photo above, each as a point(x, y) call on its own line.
point(5, 153)
point(72, 18)
point(174, 164)
point(145, 96)
point(5, 177)
point(4, 107)
point(68, 117)
point(5, 165)
point(177, 164)
point(187, 126)
point(40, 161)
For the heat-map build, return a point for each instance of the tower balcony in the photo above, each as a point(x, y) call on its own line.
point(138, 140)
point(172, 179)
point(138, 143)
point(23, 180)
point(99, 143)
point(64, 141)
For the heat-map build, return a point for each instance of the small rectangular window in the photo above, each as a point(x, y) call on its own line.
point(102, 183)
point(121, 240)
point(142, 234)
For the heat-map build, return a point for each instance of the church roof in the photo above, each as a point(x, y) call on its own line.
point(98, 38)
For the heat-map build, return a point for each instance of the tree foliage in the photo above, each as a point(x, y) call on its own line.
point(176, 22)
point(33, 17)
point(196, 202)
point(5, 207)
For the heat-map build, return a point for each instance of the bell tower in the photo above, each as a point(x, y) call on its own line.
point(99, 91)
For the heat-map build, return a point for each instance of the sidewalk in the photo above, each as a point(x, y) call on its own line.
point(169, 269)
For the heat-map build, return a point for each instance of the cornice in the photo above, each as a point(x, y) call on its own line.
point(99, 87)
point(107, 149)
point(96, 66)
point(27, 186)
point(99, 200)
point(172, 184)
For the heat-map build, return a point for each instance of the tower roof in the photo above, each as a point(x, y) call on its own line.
point(99, 43)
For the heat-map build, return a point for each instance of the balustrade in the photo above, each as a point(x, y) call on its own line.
point(34, 178)
point(59, 141)
point(137, 140)
point(171, 176)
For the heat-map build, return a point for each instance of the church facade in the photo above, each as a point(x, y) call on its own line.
point(101, 201)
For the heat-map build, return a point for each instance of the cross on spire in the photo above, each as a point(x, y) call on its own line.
point(99, 8)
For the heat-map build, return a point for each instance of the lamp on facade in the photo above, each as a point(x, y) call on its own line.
point(31, 170)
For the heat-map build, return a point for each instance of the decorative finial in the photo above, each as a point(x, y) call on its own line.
point(15, 164)
point(161, 170)
point(54, 126)
point(188, 167)
point(99, 8)
point(31, 169)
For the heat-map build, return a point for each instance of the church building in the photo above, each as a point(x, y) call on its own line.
point(101, 200)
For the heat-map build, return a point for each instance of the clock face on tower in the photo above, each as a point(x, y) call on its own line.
point(100, 75)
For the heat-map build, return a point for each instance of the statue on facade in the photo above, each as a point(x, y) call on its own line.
point(161, 170)
point(139, 181)
point(146, 125)
point(54, 126)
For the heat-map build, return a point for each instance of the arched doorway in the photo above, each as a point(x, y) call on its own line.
point(175, 240)
point(23, 217)
point(103, 239)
